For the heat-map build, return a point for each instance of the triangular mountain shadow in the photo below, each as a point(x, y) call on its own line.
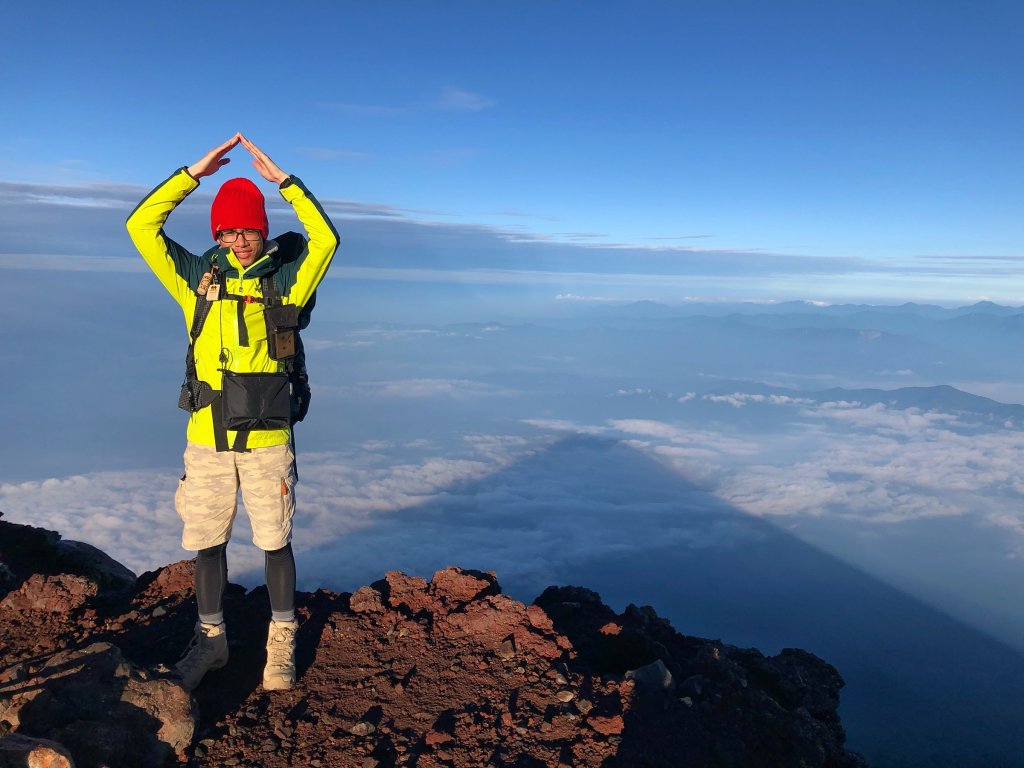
point(922, 688)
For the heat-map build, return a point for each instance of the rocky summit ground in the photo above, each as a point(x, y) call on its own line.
point(404, 672)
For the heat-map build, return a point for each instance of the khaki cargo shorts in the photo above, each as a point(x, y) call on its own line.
point(207, 495)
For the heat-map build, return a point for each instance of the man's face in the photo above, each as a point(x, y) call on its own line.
point(246, 243)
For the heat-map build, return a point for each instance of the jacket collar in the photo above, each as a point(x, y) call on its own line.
point(230, 267)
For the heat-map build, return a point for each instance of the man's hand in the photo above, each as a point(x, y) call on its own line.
point(215, 159)
point(268, 168)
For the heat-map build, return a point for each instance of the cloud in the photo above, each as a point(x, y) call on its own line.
point(534, 517)
point(450, 99)
point(891, 477)
point(740, 399)
point(875, 464)
point(130, 515)
point(879, 417)
point(457, 389)
point(88, 195)
point(460, 100)
point(649, 428)
point(56, 262)
point(534, 505)
point(566, 426)
point(597, 299)
point(386, 243)
point(898, 464)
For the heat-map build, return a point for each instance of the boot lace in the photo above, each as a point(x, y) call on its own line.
point(195, 654)
point(281, 647)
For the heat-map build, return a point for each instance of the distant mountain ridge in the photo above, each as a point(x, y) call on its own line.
point(651, 308)
point(941, 397)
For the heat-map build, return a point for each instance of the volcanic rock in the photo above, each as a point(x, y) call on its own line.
point(103, 708)
point(404, 672)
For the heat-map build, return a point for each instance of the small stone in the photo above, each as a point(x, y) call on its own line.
point(433, 738)
point(584, 706)
point(159, 611)
point(16, 673)
point(560, 678)
point(31, 752)
point(362, 728)
point(565, 696)
point(652, 677)
point(608, 726)
point(507, 650)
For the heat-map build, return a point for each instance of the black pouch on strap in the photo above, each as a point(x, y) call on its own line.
point(195, 395)
point(256, 401)
point(282, 329)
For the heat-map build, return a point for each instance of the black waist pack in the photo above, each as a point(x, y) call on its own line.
point(255, 401)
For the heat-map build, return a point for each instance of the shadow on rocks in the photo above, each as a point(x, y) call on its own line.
point(699, 702)
point(103, 709)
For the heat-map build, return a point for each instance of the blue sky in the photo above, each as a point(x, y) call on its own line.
point(875, 143)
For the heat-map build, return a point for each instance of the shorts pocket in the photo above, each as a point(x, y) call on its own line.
point(288, 496)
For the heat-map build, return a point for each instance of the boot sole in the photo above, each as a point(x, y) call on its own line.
point(277, 685)
point(211, 668)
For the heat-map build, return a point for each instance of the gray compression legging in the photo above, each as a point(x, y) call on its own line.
point(212, 578)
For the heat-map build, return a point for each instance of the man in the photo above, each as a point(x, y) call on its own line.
point(237, 385)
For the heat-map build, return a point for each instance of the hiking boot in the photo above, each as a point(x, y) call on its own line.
point(279, 674)
point(207, 651)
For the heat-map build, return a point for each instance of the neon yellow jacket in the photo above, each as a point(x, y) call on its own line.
point(234, 328)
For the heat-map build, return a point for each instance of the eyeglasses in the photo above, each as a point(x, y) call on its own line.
point(230, 235)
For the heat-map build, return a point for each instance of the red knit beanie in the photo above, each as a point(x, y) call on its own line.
point(239, 205)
